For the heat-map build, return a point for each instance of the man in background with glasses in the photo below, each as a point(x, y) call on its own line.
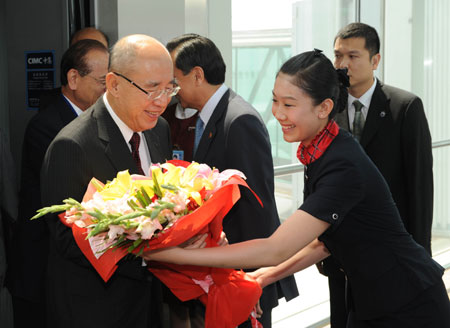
point(83, 69)
point(87, 33)
point(121, 131)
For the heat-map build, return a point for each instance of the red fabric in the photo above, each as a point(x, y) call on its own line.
point(307, 154)
point(232, 294)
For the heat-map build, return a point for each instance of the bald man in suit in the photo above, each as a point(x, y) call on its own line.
point(122, 131)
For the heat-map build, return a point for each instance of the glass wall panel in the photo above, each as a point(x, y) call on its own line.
point(417, 44)
point(261, 44)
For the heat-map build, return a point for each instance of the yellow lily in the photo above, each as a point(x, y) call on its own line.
point(147, 184)
point(190, 172)
point(118, 187)
point(172, 175)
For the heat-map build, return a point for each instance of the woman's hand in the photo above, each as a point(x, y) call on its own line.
point(262, 276)
point(198, 241)
point(223, 241)
point(258, 310)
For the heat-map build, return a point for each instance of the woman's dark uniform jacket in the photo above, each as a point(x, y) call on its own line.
point(385, 268)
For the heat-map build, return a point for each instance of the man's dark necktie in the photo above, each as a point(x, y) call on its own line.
point(358, 122)
point(134, 142)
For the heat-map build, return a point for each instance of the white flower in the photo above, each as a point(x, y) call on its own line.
point(148, 228)
point(114, 231)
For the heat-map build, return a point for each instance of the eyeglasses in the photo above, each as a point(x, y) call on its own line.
point(153, 95)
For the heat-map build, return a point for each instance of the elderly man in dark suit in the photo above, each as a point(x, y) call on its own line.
point(391, 126)
point(230, 134)
point(83, 70)
point(122, 131)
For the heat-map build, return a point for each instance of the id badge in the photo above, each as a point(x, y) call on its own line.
point(178, 154)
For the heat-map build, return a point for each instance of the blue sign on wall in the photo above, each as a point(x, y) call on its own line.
point(40, 75)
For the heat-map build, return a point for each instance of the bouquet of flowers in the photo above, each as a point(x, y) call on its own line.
point(134, 213)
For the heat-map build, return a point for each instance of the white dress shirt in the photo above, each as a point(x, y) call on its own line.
point(211, 104)
point(127, 133)
point(365, 99)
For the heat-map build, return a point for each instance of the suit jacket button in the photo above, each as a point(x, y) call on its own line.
point(382, 114)
point(335, 216)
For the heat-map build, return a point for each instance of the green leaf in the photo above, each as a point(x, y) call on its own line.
point(156, 186)
point(140, 252)
point(51, 209)
point(128, 216)
point(133, 204)
point(73, 202)
point(146, 196)
point(135, 244)
point(169, 187)
point(141, 199)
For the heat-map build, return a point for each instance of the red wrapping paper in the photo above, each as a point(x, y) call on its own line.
point(229, 295)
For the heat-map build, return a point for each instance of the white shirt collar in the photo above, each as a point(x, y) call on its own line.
point(365, 99)
point(77, 109)
point(127, 133)
point(184, 113)
point(124, 129)
point(211, 104)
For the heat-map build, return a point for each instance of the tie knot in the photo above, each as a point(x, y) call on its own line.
point(358, 105)
point(135, 141)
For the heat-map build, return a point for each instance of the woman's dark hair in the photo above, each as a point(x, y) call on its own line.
point(75, 57)
point(195, 50)
point(314, 73)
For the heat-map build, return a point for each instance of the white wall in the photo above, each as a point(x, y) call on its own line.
point(398, 43)
point(165, 20)
point(161, 19)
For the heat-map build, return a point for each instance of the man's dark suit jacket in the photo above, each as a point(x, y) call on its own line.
point(236, 138)
point(397, 139)
point(41, 130)
point(8, 216)
point(93, 146)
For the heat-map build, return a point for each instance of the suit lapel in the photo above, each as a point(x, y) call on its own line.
point(211, 128)
point(378, 111)
point(116, 149)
